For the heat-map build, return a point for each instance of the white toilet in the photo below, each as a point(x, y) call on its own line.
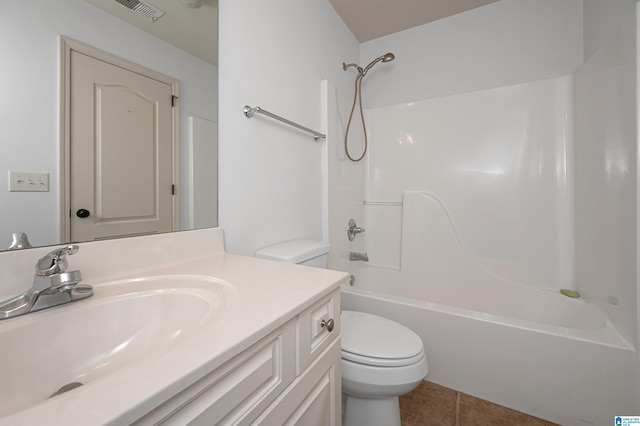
point(381, 359)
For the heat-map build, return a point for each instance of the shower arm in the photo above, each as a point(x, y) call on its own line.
point(356, 66)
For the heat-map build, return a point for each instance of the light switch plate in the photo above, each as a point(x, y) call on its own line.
point(28, 181)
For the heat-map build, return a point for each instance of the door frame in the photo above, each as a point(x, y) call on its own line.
point(67, 45)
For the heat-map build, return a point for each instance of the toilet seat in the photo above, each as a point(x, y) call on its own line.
point(383, 362)
point(372, 340)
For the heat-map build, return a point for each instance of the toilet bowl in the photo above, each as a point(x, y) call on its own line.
point(381, 359)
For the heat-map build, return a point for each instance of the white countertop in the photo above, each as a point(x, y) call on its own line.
point(267, 294)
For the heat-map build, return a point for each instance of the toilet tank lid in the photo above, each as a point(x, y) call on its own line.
point(294, 251)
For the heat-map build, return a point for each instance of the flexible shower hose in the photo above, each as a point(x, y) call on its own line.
point(358, 95)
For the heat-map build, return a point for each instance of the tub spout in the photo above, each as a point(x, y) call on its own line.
point(358, 256)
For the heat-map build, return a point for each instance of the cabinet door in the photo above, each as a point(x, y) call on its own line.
point(314, 398)
point(238, 391)
point(317, 408)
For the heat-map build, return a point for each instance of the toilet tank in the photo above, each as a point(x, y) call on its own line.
point(303, 252)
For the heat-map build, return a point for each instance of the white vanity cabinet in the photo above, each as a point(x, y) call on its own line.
point(289, 376)
point(314, 398)
point(211, 338)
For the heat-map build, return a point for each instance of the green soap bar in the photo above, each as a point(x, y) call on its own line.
point(570, 293)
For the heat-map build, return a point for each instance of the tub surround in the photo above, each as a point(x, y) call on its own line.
point(480, 330)
point(606, 168)
point(268, 295)
point(499, 160)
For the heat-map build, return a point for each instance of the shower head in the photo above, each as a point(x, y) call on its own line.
point(387, 57)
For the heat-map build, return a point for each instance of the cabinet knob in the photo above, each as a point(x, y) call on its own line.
point(329, 324)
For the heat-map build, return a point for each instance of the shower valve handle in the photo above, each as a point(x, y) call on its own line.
point(353, 230)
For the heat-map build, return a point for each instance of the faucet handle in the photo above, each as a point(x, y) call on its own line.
point(353, 230)
point(55, 262)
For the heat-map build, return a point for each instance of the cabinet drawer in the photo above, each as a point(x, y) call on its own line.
point(238, 391)
point(314, 326)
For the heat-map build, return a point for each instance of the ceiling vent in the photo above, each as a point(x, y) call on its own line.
point(147, 11)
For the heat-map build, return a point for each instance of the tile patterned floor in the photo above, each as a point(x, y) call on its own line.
point(430, 404)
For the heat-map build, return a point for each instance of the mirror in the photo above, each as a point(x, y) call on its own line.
point(29, 120)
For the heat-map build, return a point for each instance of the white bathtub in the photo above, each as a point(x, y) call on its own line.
point(532, 350)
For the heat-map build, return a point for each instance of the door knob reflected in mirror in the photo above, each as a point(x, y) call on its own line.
point(82, 213)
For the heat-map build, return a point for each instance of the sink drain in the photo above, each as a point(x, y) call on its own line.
point(66, 388)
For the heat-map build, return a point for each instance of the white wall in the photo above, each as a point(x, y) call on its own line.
point(29, 139)
point(503, 43)
point(275, 55)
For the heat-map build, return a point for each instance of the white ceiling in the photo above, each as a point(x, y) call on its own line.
point(196, 30)
point(370, 19)
point(192, 30)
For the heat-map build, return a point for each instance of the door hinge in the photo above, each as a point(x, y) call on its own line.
point(173, 190)
point(174, 98)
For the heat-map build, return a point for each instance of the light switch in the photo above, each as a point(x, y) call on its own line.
point(28, 181)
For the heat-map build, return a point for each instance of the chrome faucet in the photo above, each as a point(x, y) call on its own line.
point(358, 256)
point(20, 241)
point(52, 286)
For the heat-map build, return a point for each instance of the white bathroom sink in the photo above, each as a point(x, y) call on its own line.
point(124, 323)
